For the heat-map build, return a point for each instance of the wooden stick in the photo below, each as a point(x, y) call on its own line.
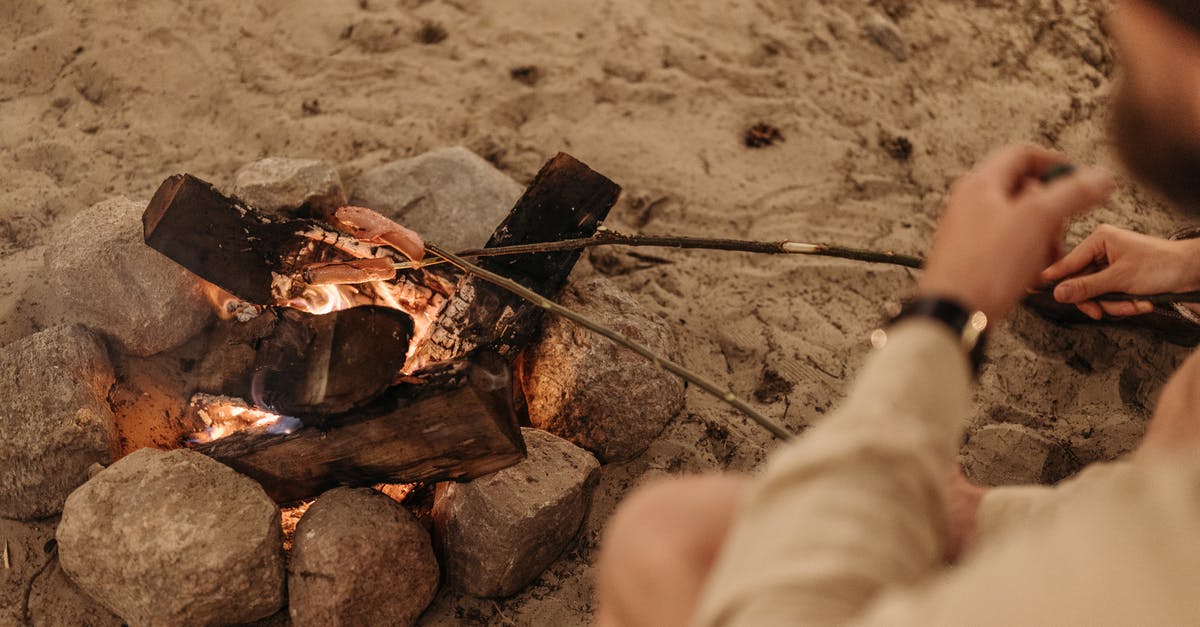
point(549, 305)
point(786, 247)
point(7, 563)
point(613, 238)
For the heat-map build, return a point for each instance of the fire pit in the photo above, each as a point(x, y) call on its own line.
point(367, 375)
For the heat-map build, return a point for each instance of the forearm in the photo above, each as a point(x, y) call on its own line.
point(857, 503)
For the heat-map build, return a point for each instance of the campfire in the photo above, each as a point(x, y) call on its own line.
point(370, 367)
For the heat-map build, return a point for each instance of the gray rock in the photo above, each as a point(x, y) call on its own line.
point(54, 417)
point(886, 35)
point(174, 538)
point(360, 558)
point(603, 397)
point(1006, 454)
point(281, 186)
point(450, 196)
point(497, 534)
point(108, 279)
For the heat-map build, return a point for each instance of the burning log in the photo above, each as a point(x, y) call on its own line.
point(317, 365)
point(257, 258)
point(567, 200)
point(454, 422)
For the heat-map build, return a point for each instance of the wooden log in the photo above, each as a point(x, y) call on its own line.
point(317, 365)
point(257, 258)
point(567, 200)
point(454, 422)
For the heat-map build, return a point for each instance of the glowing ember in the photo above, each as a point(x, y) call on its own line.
point(223, 415)
point(227, 305)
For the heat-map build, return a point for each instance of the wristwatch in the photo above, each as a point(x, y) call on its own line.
point(969, 326)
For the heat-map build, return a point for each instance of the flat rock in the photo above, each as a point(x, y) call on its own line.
point(55, 418)
point(450, 196)
point(174, 538)
point(587, 389)
point(1006, 454)
point(497, 533)
point(108, 279)
point(284, 186)
point(360, 558)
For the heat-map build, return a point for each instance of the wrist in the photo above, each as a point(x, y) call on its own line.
point(967, 324)
point(1187, 253)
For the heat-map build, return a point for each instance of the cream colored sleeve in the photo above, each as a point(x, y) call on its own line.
point(1013, 507)
point(855, 505)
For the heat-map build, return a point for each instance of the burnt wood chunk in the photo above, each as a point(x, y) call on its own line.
point(567, 200)
point(252, 256)
point(222, 240)
point(455, 423)
point(316, 365)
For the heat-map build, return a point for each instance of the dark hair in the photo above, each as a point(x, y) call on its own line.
point(1186, 11)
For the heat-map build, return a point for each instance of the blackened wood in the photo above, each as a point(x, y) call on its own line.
point(317, 365)
point(457, 423)
point(224, 241)
point(567, 200)
point(255, 257)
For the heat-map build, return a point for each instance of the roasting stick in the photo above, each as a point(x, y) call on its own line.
point(613, 238)
point(545, 303)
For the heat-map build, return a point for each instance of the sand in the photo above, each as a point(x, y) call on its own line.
point(109, 97)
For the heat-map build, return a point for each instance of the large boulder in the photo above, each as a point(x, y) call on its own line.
point(360, 558)
point(497, 533)
point(283, 186)
point(55, 418)
point(174, 538)
point(587, 389)
point(450, 196)
point(108, 279)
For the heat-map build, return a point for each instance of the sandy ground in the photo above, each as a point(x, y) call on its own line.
point(110, 96)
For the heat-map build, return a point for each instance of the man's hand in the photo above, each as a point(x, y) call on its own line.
point(1116, 260)
point(1002, 226)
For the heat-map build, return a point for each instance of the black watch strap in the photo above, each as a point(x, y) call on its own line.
point(969, 326)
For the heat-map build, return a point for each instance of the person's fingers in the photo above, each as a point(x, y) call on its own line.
point(1090, 309)
point(1120, 308)
point(1017, 162)
point(1087, 287)
point(1075, 194)
point(1088, 251)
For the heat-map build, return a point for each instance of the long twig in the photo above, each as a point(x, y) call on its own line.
point(666, 364)
point(786, 247)
point(613, 238)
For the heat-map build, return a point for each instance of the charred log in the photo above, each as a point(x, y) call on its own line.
point(316, 365)
point(566, 200)
point(454, 422)
point(256, 258)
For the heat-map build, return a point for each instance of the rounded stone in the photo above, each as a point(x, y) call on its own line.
point(499, 532)
point(451, 195)
point(587, 389)
point(174, 538)
point(276, 185)
point(108, 279)
point(55, 418)
point(360, 558)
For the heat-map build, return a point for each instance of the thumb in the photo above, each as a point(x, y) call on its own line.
point(1084, 288)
